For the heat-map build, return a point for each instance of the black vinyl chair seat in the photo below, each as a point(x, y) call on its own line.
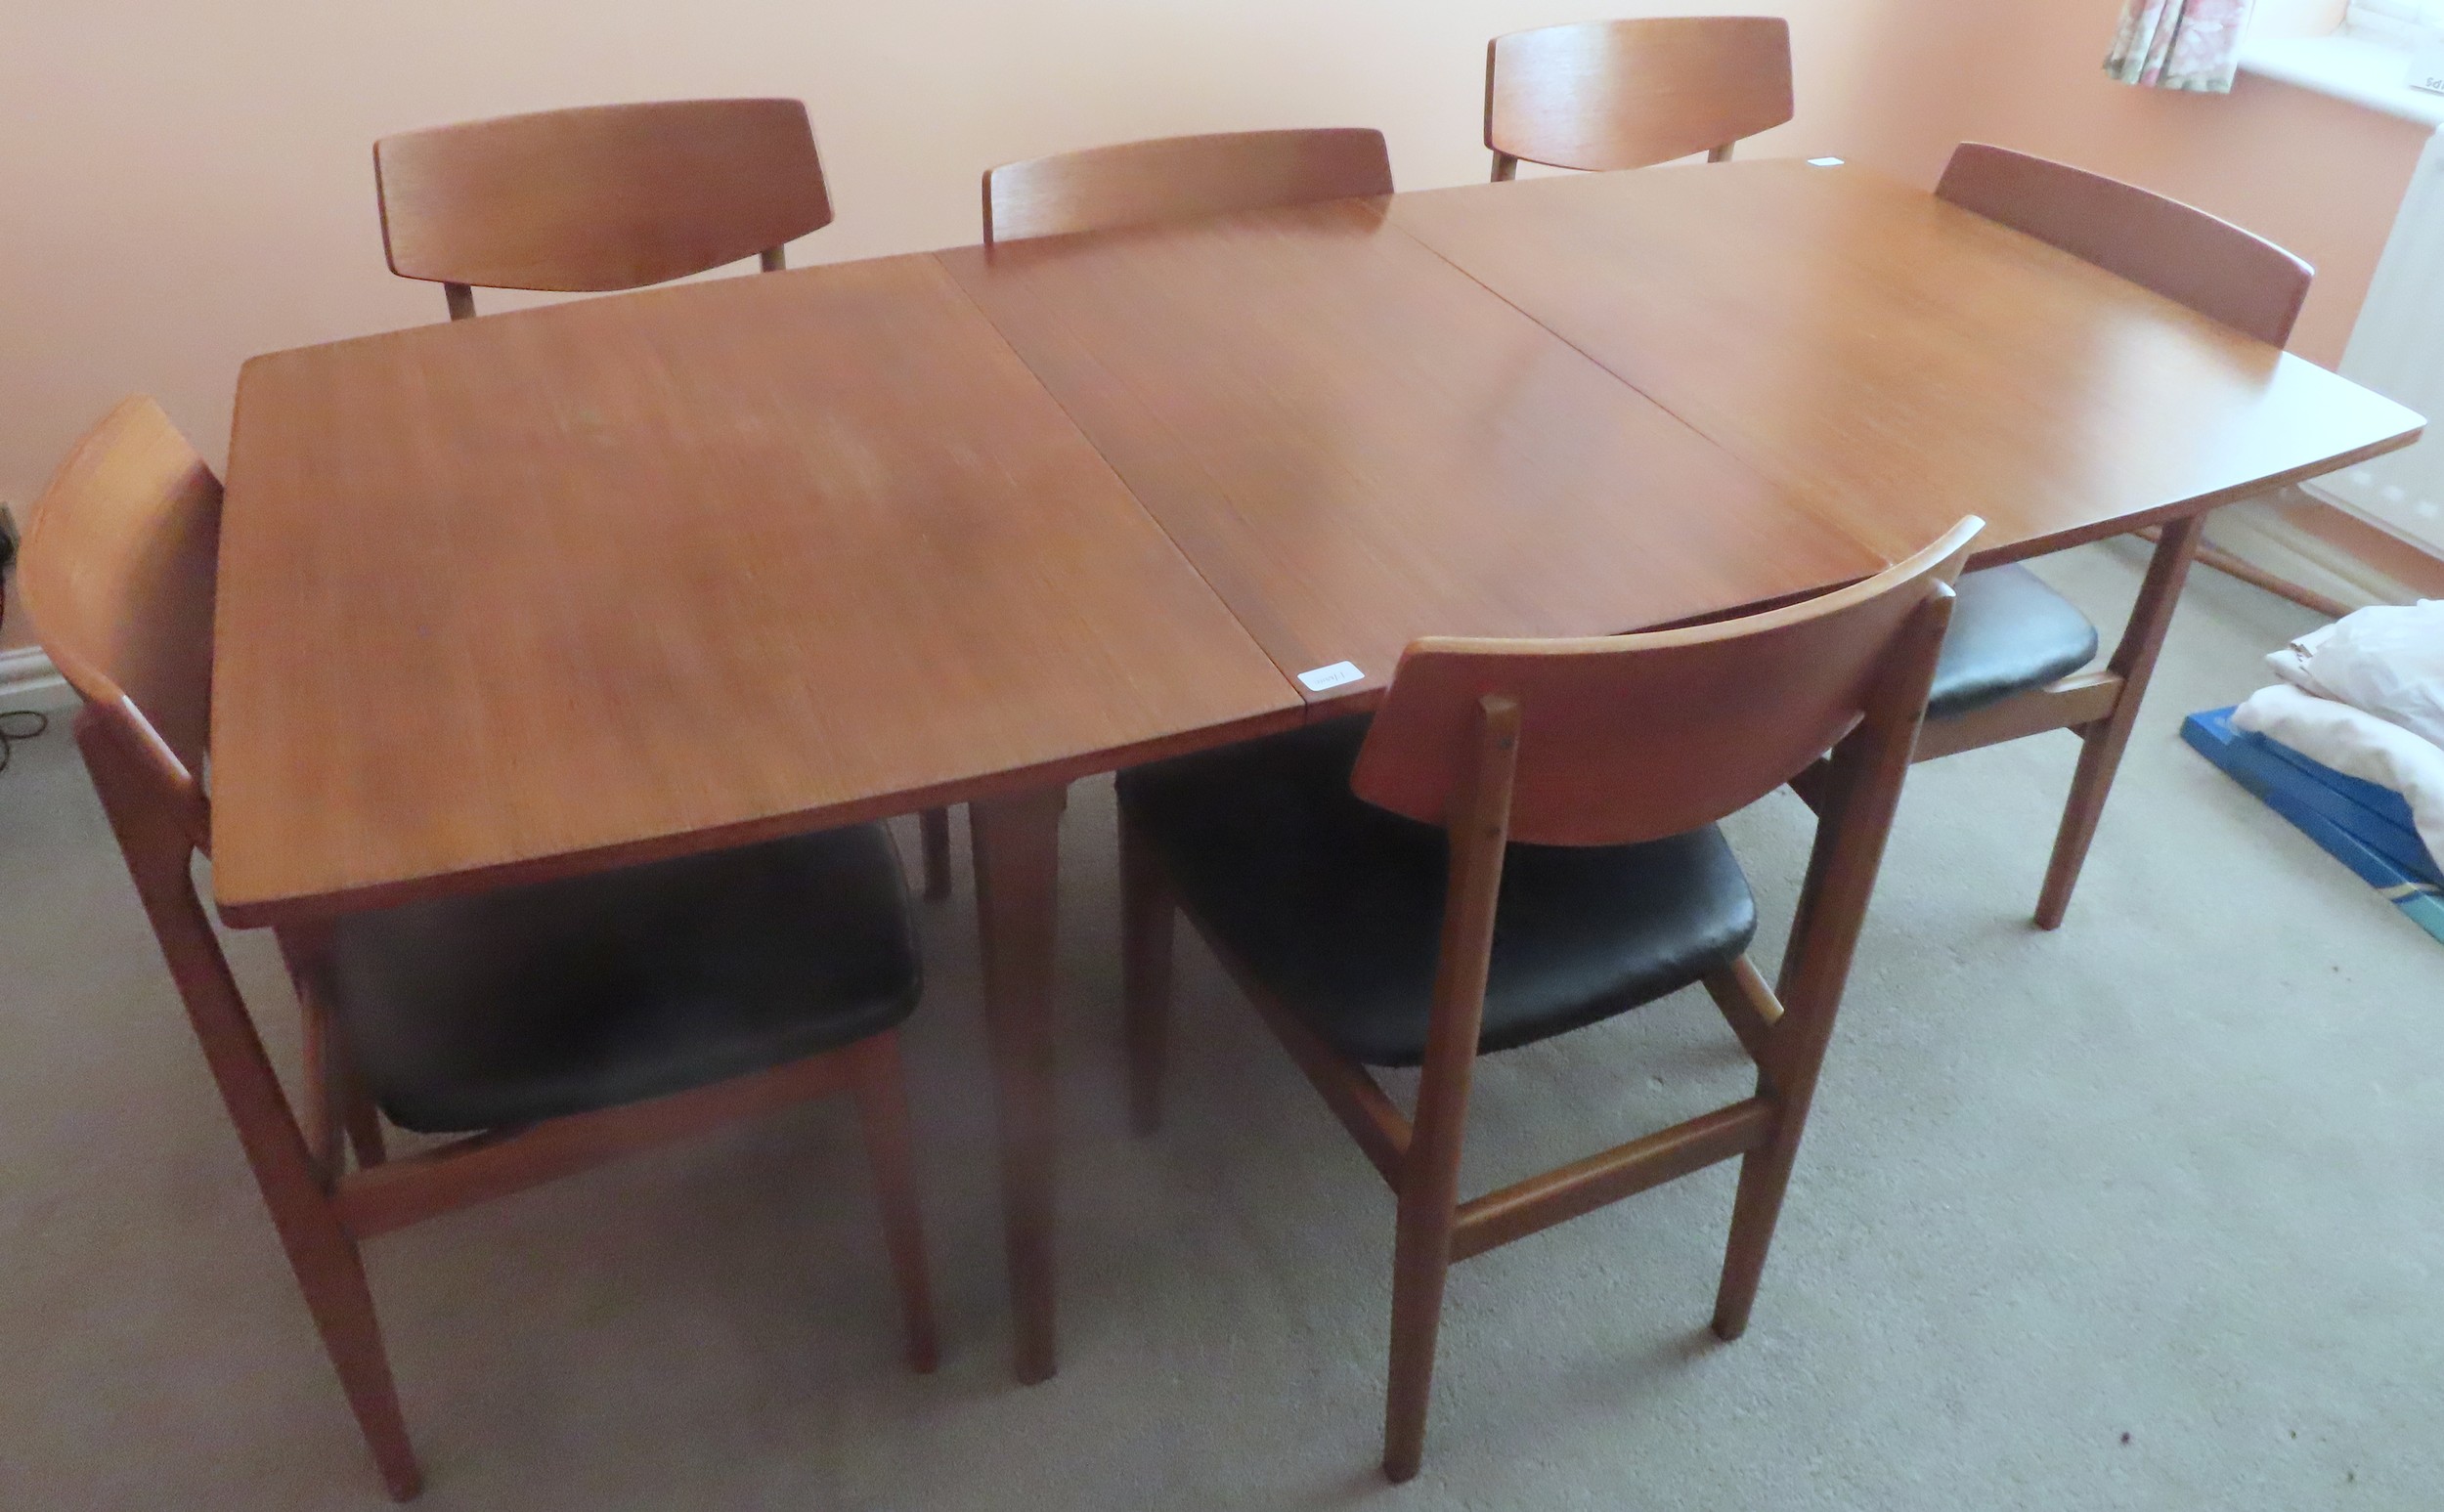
point(2010, 634)
point(1336, 906)
point(563, 997)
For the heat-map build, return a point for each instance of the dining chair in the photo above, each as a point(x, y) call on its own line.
point(1181, 178)
point(606, 197)
point(601, 197)
point(1627, 94)
point(2015, 663)
point(1522, 842)
point(552, 1026)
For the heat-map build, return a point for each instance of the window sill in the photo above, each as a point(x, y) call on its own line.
point(2353, 68)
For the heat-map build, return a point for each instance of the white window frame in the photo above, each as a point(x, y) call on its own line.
point(2403, 23)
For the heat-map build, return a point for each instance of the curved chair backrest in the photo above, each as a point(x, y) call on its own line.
point(2199, 260)
point(119, 574)
point(601, 197)
point(1625, 94)
point(1629, 738)
point(1181, 178)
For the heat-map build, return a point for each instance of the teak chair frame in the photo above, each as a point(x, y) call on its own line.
point(2212, 266)
point(519, 202)
point(1784, 1027)
point(1606, 95)
point(139, 474)
point(1181, 178)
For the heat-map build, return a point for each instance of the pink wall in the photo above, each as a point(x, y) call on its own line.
point(2320, 175)
point(182, 186)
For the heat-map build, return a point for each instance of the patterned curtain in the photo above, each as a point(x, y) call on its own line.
point(2179, 44)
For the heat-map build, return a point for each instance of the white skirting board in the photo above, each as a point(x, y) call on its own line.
point(2255, 532)
point(28, 681)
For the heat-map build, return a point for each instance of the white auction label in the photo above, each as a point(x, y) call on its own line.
point(1332, 676)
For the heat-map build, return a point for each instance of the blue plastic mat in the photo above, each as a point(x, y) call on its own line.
point(2364, 827)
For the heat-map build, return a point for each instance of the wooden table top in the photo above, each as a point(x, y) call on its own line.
point(635, 576)
point(1357, 444)
point(555, 590)
point(1897, 360)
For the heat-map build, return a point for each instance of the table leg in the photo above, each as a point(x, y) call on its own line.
point(1016, 841)
point(2103, 742)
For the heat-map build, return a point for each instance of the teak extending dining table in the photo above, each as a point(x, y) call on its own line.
point(626, 577)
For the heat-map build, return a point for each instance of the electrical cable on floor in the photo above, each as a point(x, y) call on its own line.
point(18, 724)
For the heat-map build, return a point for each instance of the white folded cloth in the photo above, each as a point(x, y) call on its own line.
point(2388, 661)
point(2356, 744)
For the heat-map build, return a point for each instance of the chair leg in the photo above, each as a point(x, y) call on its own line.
point(936, 827)
point(331, 1274)
point(2099, 757)
point(1149, 919)
point(1429, 1169)
point(363, 1119)
point(1764, 1174)
point(2103, 742)
point(880, 1088)
point(365, 1132)
point(324, 1123)
point(321, 1252)
point(1421, 1264)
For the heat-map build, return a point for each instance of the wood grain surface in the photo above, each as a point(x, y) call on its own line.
point(1357, 445)
point(632, 576)
point(1898, 360)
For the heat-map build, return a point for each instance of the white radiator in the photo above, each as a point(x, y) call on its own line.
point(2397, 349)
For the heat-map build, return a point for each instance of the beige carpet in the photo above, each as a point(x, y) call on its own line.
point(2144, 1214)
